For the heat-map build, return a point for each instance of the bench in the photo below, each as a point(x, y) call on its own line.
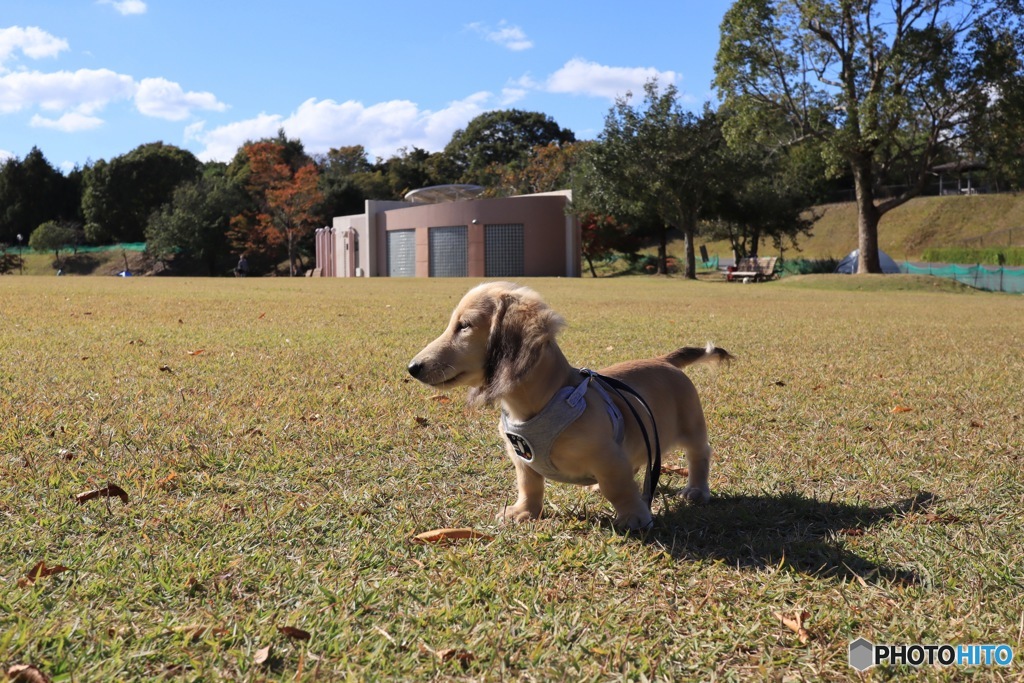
point(756, 268)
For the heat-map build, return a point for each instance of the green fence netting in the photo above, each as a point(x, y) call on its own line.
point(994, 279)
point(128, 246)
point(710, 264)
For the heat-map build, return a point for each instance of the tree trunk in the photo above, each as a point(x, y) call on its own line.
point(291, 254)
point(690, 231)
point(867, 218)
point(590, 263)
point(663, 251)
point(755, 243)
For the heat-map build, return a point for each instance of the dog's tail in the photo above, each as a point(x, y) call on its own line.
point(688, 355)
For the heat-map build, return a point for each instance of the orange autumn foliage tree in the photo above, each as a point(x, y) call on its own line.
point(285, 200)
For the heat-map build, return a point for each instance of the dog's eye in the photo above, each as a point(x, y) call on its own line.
point(462, 325)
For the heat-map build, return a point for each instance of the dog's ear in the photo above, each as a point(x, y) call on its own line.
point(522, 325)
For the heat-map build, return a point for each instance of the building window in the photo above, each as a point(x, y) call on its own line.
point(402, 253)
point(449, 255)
point(503, 250)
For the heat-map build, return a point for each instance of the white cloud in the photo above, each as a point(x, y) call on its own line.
point(126, 7)
point(322, 124)
point(85, 91)
point(511, 95)
point(165, 99)
point(72, 122)
point(32, 42)
point(88, 91)
point(509, 37)
point(222, 142)
point(5, 155)
point(580, 77)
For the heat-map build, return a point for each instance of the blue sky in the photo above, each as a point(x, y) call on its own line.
point(93, 79)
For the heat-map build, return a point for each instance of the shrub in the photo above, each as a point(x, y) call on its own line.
point(802, 266)
point(1011, 256)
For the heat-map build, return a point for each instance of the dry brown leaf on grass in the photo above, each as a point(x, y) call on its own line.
point(40, 570)
point(168, 481)
point(422, 421)
point(198, 632)
point(450, 536)
point(902, 409)
point(26, 673)
point(795, 623)
point(196, 352)
point(262, 655)
point(166, 368)
point(933, 518)
point(296, 633)
point(440, 398)
point(464, 657)
point(675, 469)
point(108, 491)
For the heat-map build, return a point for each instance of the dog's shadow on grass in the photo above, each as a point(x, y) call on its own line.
point(804, 534)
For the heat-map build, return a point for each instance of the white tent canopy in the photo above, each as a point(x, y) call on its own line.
point(849, 264)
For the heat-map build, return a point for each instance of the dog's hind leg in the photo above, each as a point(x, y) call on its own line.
point(531, 493)
point(698, 462)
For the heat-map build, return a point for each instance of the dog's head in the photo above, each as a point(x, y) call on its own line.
point(495, 336)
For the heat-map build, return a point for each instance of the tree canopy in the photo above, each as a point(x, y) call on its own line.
point(283, 187)
point(497, 139)
point(53, 236)
point(119, 196)
point(886, 88)
point(194, 224)
point(33, 192)
point(653, 167)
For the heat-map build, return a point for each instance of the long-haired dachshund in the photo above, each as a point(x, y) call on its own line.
point(559, 422)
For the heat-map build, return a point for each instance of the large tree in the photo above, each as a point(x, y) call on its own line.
point(765, 194)
point(654, 167)
point(119, 196)
point(193, 226)
point(548, 169)
point(284, 202)
point(53, 236)
point(884, 86)
point(495, 140)
point(33, 192)
point(413, 168)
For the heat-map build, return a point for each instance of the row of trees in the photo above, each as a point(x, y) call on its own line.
point(265, 203)
point(815, 94)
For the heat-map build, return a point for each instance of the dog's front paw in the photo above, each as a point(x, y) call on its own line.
point(697, 495)
point(518, 513)
point(634, 521)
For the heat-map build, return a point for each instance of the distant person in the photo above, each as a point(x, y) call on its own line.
point(242, 269)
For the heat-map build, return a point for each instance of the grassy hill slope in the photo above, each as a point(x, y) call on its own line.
point(905, 232)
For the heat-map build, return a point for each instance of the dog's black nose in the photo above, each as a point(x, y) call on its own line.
point(415, 369)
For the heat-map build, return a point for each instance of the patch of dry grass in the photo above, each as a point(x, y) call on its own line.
point(277, 460)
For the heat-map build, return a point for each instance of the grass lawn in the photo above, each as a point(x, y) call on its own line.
point(276, 461)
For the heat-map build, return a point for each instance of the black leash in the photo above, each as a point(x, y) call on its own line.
point(653, 457)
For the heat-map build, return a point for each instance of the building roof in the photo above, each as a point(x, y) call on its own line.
point(436, 194)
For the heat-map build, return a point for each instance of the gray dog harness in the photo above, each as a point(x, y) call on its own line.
point(532, 439)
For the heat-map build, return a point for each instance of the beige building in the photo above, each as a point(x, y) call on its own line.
point(446, 231)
